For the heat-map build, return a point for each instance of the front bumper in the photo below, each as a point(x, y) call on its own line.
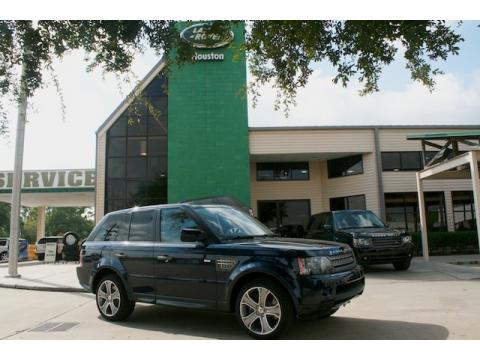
point(371, 255)
point(329, 291)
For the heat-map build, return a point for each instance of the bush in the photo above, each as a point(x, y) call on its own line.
point(448, 243)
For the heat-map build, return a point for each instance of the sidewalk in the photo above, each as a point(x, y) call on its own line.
point(36, 275)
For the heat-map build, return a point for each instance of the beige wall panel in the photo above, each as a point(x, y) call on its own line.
point(311, 141)
point(365, 183)
point(404, 181)
point(288, 190)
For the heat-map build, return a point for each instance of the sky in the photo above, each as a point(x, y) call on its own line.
point(54, 142)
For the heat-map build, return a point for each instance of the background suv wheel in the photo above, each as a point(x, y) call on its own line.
point(4, 256)
point(264, 309)
point(402, 265)
point(112, 300)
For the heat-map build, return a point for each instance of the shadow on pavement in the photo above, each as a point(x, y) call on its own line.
point(224, 326)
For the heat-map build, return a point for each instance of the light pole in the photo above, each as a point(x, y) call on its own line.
point(17, 178)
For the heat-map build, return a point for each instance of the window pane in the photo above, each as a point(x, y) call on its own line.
point(136, 189)
point(137, 127)
point(351, 165)
point(294, 213)
point(356, 202)
point(390, 161)
point(172, 222)
point(267, 214)
point(116, 189)
point(157, 126)
point(116, 168)
point(136, 167)
point(411, 160)
point(157, 167)
point(157, 146)
point(282, 171)
point(141, 226)
point(115, 204)
point(119, 128)
point(116, 146)
point(337, 204)
point(137, 147)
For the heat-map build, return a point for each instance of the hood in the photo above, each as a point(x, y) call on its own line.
point(297, 247)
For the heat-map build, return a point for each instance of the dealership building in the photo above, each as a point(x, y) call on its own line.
point(196, 143)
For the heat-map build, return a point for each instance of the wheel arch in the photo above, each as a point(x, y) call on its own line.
point(255, 274)
point(100, 273)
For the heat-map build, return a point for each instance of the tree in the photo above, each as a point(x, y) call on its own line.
point(278, 51)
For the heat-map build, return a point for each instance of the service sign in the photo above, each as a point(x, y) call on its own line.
point(50, 252)
point(201, 36)
point(50, 179)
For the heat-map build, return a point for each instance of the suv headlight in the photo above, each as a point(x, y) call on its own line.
point(361, 241)
point(406, 239)
point(315, 265)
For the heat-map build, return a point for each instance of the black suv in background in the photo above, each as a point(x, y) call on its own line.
point(372, 241)
point(214, 257)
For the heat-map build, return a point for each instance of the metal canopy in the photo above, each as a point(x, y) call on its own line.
point(462, 166)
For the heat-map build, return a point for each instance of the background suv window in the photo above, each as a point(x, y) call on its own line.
point(172, 222)
point(142, 226)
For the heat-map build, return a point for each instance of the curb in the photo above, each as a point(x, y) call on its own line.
point(43, 288)
point(22, 263)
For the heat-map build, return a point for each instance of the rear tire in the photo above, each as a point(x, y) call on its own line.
point(4, 256)
point(402, 265)
point(264, 309)
point(112, 300)
point(41, 257)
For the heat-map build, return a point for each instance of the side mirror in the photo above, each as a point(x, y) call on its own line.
point(193, 235)
point(327, 227)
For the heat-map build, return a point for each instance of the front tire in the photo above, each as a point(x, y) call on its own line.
point(41, 257)
point(112, 300)
point(4, 256)
point(264, 309)
point(402, 265)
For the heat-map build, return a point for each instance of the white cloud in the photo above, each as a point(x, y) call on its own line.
point(323, 103)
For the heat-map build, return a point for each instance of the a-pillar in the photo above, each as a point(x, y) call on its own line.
point(40, 222)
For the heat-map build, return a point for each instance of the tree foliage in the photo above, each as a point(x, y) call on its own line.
point(278, 51)
point(58, 221)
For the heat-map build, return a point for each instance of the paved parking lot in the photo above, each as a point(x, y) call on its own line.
point(420, 304)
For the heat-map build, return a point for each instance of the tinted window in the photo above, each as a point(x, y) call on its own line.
point(357, 219)
point(347, 166)
point(142, 226)
point(3, 242)
point(282, 171)
point(173, 220)
point(113, 228)
point(404, 160)
point(285, 217)
point(355, 202)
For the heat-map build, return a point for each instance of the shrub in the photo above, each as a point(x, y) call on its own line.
point(448, 243)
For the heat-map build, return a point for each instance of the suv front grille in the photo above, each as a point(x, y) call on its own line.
point(386, 241)
point(342, 260)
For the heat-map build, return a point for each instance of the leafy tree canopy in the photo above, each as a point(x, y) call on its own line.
point(278, 51)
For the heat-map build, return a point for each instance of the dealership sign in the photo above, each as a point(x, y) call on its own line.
point(201, 36)
point(50, 179)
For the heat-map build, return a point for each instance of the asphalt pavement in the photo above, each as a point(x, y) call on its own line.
point(428, 302)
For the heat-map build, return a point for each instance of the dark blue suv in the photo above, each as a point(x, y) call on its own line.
point(214, 257)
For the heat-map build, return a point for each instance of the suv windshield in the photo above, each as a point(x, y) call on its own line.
point(357, 219)
point(230, 224)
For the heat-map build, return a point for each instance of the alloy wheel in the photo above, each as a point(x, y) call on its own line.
point(108, 298)
point(4, 257)
point(260, 310)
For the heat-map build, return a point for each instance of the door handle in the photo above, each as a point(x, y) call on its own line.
point(164, 258)
point(120, 255)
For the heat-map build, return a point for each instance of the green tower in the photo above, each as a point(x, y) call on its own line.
point(208, 151)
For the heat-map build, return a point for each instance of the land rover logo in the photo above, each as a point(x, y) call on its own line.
point(199, 36)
